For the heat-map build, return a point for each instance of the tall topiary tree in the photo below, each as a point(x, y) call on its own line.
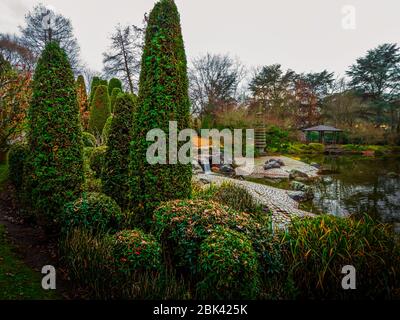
point(100, 110)
point(163, 97)
point(96, 81)
point(116, 163)
point(113, 97)
point(114, 83)
point(82, 100)
point(54, 166)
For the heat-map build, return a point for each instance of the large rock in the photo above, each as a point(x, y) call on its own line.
point(273, 164)
point(301, 187)
point(298, 175)
point(227, 169)
point(299, 196)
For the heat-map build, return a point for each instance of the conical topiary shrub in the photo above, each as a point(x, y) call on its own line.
point(54, 166)
point(114, 83)
point(100, 110)
point(116, 163)
point(83, 102)
point(113, 97)
point(163, 97)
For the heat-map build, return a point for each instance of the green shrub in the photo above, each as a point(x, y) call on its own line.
point(16, 160)
point(113, 98)
point(315, 250)
point(277, 139)
point(135, 251)
point(228, 266)
point(106, 130)
point(83, 103)
point(94, 212)
point(100, 110)
point(236, 197)
point(96, 81)
point(54, 166)
point(96, 160)
point(182, 225)
point(116, 164)
point(316, 147)
point(114, 84)
point(89, 140)
point(163, 97)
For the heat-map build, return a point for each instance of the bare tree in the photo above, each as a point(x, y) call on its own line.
point(88, 74)
point(35, 36)
point(15, 53)
point(123, 59)
point(214, 81)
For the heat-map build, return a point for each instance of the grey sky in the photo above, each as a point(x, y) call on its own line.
point(304, 35)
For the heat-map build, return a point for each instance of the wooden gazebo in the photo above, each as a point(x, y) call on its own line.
point(322, 129)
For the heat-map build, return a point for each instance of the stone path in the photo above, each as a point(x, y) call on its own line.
point(282, 207)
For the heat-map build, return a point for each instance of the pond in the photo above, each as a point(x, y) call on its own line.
point(355, 185)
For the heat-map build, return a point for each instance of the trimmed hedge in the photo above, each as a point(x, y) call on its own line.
point(228, 266)
point(182, 225)
point(135, 251)
point(236, 197)
point(116, 163)
point(16, 161)
point(106, 130)
point(96, 160)
point(82, 100)
point(113, 98)
point(114, 84)
point(100, 110)
point(89, 140)
point(54, 166)
point(163, 97)
point(94, 212)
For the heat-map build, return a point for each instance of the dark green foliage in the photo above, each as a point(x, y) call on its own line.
point(16, 160)
point(237, 198)
point(106, 130)
point(113, 98)
point(89, 140)
point(315, 250)
point(96, 81)
point(5, 66)
point(116, 164)
point(135, 251)
point(181, 226)
point(114, 84)
point(96, 160)
point(163, 97)
point(54, 166)
point(100, 110)
point(94, 212)
point(228, 266)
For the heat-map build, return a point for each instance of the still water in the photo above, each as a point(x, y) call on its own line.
point(357, 185)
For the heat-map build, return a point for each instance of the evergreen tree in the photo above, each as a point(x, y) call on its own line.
point(116, 164)
point(100, 110)
point(54, 168)
point(163, 97)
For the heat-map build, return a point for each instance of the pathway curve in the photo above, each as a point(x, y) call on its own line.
point(281, 205)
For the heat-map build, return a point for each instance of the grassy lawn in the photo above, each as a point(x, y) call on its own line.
point(17, 281)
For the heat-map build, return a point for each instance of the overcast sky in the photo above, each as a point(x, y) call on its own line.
point(304, 35)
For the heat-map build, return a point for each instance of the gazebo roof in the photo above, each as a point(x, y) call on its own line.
point(323, 128)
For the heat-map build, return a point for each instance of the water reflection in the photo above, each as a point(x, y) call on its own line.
point(360, 185)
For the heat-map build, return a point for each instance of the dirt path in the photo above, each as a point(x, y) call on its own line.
point(31, 243)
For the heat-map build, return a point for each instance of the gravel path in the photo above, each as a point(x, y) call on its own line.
point(283, 207)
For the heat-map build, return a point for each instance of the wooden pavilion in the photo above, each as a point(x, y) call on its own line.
point(322, 130)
